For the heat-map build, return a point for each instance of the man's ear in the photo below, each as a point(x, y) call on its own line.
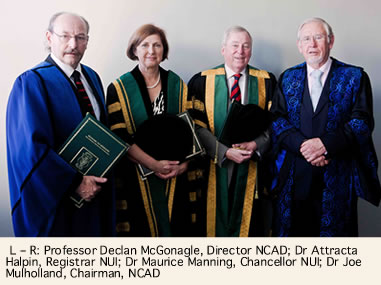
point(299, 45)
point(331, 41)
point(48, 35)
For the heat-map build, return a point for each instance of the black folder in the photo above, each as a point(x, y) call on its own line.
point(168, 137)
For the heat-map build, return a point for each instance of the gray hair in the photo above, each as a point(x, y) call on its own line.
point(326, 26)
point(55, 16)
point(53, 20)
point(235, 29)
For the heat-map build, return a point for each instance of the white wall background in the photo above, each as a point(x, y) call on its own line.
point(194, 29)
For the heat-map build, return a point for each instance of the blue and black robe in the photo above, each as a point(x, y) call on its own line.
point(43, 110)
point(343, 120)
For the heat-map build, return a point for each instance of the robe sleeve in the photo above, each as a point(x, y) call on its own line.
point(38, 177)
point(263, 141)
point(343, 140)
point(354, 141)
point(196, 98)
point(116, 120)
point(284, 133)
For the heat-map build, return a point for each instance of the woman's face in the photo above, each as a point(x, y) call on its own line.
point(150, 51)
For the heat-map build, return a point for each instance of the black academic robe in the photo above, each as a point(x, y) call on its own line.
point(140, 210)
point(238, 201)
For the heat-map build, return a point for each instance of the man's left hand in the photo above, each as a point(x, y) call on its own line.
point(320, 161)
point(89, 187)
point(249, 146)
point(312, 149)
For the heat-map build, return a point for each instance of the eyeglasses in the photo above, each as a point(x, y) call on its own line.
point(318, 38)
point(81, 39)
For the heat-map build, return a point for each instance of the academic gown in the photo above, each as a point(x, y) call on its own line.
point(151, 207)
point(223, 209)
point(42, 112)
point(343, 120)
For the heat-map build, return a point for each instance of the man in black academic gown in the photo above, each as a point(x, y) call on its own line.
point(231, 205)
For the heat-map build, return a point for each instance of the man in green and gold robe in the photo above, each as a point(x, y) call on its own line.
point(230, 204)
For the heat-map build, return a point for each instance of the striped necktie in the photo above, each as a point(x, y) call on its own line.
point(83, 98)
point(236, 92)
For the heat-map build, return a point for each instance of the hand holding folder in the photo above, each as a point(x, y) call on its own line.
point(168, 137)
point(92, 149)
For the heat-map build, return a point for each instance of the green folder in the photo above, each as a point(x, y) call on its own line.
point(92, 149)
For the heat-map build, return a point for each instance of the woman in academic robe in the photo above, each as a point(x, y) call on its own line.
point(147, 206)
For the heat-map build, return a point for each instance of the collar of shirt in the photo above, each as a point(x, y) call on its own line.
point(242, 82)
point(324, 68)
point(68, 70)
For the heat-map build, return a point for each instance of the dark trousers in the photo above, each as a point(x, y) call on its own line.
point(306, 213)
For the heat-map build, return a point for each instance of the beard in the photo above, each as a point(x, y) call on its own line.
point(315, 60)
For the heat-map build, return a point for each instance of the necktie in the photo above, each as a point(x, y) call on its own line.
point(316, 87)
point(83, 99)
point(236, 92)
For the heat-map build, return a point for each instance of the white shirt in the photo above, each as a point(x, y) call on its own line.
point(68, 70)
point(242, 82)
point(324, 68)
